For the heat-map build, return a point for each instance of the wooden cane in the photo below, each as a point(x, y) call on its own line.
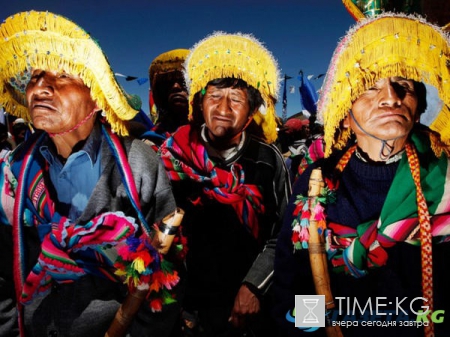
point(161, 241)
point(317, 254)
point(126, 312)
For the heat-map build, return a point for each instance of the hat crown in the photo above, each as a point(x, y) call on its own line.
point(171, 60)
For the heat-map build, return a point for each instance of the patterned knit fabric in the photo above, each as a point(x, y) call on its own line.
point(59, 259)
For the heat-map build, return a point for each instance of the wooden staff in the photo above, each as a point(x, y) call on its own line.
point(126, 312)
point(161, 241)
point(317, 254)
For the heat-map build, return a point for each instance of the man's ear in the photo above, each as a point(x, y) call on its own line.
point(417, 120)
point(97, 109)
point(250, 118)
point(252, 114)
point(346, 121)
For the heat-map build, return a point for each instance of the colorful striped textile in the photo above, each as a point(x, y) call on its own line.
point(363, 248)
point(357, 250)
point(70, 250)
point(185, 157)
point(315, 152)
point(60, 257)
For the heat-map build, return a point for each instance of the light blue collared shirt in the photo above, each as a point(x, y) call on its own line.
point(75, 180)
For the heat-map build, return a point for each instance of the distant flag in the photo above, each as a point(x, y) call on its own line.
point(120, 75)
point(313, 77)
point(140, 80)
point(284, 113)
point(308, 94)
point(292, 89)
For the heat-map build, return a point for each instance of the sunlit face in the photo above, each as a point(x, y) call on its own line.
point(226, 112)
point(57, 101)
point(387, 111)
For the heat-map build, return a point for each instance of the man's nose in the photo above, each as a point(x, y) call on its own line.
point(224, 106)
point(177, 86)
point(44, 83)
point(391, 95)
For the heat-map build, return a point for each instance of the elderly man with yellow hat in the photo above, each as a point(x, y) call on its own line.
point(383, 210)
point(232, 183)
point(79, 198)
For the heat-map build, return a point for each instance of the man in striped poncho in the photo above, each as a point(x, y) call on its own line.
point(385, 206)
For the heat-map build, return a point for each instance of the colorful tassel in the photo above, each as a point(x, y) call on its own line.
point(303, 215)
point(140, 265)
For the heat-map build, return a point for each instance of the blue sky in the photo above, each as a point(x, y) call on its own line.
point(301, 34)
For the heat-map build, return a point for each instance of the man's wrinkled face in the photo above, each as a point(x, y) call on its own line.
point(226, 111)
point(388, 110)
point(57, 101)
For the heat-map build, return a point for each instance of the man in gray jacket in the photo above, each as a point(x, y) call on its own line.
point(79, 199)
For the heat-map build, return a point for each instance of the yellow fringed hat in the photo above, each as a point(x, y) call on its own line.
point(47, 41)
point(240, 56)
point(385, 46)
point(169, 61)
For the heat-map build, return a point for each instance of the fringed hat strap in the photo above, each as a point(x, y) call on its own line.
point(425, 238)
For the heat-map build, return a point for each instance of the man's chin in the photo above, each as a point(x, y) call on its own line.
point(178, 103)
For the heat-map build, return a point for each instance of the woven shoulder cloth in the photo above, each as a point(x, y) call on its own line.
point(185, 157)
point(355, 250)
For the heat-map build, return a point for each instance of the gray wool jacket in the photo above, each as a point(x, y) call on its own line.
point(87, 306)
